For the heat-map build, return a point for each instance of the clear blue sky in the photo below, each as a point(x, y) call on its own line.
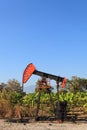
point(52, 34)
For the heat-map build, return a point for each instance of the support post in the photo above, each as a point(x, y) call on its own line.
point(58, 104)
point(22, 87)
point(38, 106)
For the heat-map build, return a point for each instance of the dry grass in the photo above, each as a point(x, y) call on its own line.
point(5, 108)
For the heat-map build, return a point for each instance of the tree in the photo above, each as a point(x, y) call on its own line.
point(43, 84)
point(2, 85)
point(13, 85)
point(77, 84)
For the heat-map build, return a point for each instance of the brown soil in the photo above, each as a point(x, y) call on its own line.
point(55, 125)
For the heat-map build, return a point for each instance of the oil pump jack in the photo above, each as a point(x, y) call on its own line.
point(31, 69)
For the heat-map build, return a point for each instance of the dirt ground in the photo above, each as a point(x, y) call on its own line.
point(6, 125)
